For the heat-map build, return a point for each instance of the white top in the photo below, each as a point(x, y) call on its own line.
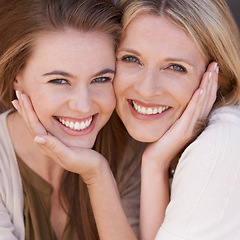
point(205, 196)
point(11, 193)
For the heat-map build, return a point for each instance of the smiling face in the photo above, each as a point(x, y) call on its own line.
point(69, 81)
point(158, 69)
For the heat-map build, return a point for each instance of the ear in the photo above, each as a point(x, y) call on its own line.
point(17, 83)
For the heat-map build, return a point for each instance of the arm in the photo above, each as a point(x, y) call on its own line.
point(157, 156)
point(205, 191)
point(6, 225)
point(110, 218)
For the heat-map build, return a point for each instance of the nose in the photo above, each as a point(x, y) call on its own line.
point(149, 84)
point(80, 100)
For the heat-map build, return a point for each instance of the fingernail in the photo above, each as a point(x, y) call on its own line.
point(14, 104)
point(217, 70)
point(201, 92)
point(215, 66)
point(210, 74)
point(39, 140)
point(18, 95)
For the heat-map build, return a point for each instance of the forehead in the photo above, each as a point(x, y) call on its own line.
point(157, 33)
point(72, 49)
point(71, 40)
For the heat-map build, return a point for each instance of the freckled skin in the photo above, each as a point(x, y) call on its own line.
point(158, 64)
point(63, 79)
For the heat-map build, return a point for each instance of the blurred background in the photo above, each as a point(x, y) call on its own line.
point(235, 7)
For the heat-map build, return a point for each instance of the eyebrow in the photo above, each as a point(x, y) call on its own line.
point(129, 50)
point(66, 74)
point(180, 60)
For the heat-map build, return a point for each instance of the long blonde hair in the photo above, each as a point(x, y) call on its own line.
point(211, 26)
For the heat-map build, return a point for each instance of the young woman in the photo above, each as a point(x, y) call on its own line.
point(62, 55)
point(165, 49)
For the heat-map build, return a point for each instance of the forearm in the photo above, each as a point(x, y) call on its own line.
point(154, 199)
point(110, 218)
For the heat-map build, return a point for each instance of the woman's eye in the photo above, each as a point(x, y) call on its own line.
point(59, 81)
point(178, 68)
point(101, 80)
point(130, 59)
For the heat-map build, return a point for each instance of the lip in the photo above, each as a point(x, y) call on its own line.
point(146, 117)
point(75, 132)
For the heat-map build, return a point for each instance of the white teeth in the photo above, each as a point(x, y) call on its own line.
point(148, 111)
point(78, 126)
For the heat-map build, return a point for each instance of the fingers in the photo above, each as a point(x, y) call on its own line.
point(55, 149)
point(79, 160)
point(25, 108)
point(211, 90)
point(201, 102)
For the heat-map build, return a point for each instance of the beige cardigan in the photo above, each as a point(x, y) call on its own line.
point(11, 193)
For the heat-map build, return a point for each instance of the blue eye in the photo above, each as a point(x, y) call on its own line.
point(59, 81)
point(101, 80)
point(130, 59)
point(178, 68)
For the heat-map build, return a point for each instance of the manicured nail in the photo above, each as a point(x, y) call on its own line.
point(201, 92)
point(39, 140)
point(14, 104)
point(210, 74)
point(18, 95)
point(217, 70)
point(215, 66)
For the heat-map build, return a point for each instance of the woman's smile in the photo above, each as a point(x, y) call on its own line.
point(156, 76)
point(146, 111)
point(72, 99)
point(77, 126)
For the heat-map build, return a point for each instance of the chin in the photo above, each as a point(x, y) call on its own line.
point(88, 143)
point(144, 137)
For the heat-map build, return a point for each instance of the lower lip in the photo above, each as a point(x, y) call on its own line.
point(80, 132)
point(146, 117)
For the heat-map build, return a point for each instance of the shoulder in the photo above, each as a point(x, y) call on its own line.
point(221, 138)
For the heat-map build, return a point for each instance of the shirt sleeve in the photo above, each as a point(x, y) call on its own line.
point(205, 195)
point(6, 225)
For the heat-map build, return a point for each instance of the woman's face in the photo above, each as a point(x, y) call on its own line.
point(69, 81)
point(158, 69)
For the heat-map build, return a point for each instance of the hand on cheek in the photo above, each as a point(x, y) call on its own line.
point(26, 110)
point(181, 132)
point(74, 160)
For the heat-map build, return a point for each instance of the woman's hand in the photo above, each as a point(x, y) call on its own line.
point(86, 162)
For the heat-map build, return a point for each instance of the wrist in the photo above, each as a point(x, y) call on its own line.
point(155, 165)
point(99, 175)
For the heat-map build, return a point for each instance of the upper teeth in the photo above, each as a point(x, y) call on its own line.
point(147, 110)
point(76, 125)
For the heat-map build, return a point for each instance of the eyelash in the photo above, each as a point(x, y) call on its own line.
point(59, 81)
point(102, 80)
point(130, 59)
point(180, 68)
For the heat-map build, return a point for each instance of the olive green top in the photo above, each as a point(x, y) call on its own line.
point(37, 207)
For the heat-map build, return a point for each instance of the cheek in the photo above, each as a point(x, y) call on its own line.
point(122, 80)
point(105, 99)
